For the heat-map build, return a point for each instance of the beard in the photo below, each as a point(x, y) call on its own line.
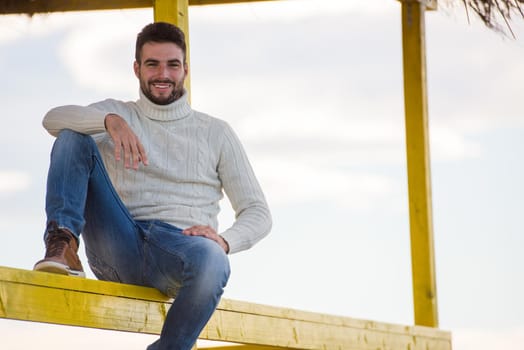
point(176, 92)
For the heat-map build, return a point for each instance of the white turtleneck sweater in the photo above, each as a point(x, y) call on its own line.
point(192, 157)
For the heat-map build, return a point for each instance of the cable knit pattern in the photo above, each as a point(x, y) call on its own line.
point(192, 158)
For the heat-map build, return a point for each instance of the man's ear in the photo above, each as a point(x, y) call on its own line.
point(136, 68)
point(186, 68)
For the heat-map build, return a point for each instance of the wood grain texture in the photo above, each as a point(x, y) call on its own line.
point(31, 7)
point(42, 297)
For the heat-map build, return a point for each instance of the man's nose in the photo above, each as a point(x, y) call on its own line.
point(163, 71)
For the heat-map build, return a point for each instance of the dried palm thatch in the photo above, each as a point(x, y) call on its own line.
point(492, 11)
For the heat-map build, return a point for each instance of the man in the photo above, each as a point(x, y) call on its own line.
point(141, 182)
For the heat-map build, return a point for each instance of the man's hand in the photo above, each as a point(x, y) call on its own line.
point(125, 139)
point(207, 232)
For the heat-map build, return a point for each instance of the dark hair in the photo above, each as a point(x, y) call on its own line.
point(160, 32)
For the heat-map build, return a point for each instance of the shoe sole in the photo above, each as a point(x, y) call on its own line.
point(57, 268)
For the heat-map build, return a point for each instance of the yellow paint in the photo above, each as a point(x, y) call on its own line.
point(45, 6)
point(172, 11)
point(419, 182)
point(43, 297)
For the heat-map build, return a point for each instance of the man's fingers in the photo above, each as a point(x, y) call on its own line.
point(134, 156)
point(205, 231)
point(127, 154)
point(142, 154)
point(139, 154)
point(118, 148)
point(125, 141)
point(133, 150)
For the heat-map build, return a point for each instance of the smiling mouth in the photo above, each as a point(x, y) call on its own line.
point(162, 85)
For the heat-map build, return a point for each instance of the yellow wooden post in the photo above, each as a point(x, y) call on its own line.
point(417, 144)
point(175, 12)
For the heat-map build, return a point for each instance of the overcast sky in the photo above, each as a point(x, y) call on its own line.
point(313, 88)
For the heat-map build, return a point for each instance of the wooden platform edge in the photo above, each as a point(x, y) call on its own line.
point(32, 7)
point(42, 297)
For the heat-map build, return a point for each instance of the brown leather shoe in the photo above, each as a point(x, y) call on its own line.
point(61, 254)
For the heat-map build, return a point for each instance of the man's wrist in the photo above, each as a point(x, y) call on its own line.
point(107, 117)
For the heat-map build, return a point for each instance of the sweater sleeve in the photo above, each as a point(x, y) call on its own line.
point(252, 216)
point(84, 119)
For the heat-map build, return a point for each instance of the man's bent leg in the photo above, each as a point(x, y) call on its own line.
point(112, 238)
point(67, 181)
point(79, 188)
point(194, 268)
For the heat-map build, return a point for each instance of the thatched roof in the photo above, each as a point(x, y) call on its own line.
point(494, 12)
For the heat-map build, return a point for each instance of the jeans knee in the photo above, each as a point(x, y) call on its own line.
point(196, 265)
point(71, 138)
point(69, 143)
point(210, 265)
point(70, 134)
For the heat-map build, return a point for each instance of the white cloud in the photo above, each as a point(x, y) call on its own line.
point(473, 73)
point(13, 181)
point(290, 9)
point(291, 182)
point(21, 26)
point(326, 128)
point(99, 51)
point(98, 48)
point(448, 144)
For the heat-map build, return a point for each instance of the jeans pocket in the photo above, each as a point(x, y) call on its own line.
point(102, 270)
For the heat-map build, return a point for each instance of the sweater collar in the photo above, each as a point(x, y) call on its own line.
point(176, 110)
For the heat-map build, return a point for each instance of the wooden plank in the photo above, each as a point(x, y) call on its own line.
point(417, 146)
point(42, 297)
point(173, 11)
point(31, 7)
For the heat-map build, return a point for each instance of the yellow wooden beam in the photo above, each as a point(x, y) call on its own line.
point(419, 182)
point(172, 11)
point(175, 12)
point(45, 6)
point(431, 5)
point(42, 297)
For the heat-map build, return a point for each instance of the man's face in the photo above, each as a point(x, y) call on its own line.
point(161, 72)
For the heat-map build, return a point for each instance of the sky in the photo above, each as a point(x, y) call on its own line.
point(313, 88)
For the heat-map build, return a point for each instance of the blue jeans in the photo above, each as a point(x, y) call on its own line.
point(81, 198)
